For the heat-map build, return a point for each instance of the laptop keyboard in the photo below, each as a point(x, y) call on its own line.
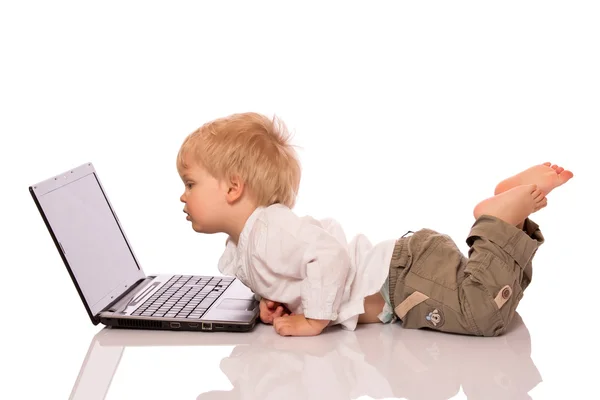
point(184, 296)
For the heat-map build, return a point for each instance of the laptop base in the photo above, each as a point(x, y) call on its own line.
point(131, 323)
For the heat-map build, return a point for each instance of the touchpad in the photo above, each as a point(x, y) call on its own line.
point(237, 304)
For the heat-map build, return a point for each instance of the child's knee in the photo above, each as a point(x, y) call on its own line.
point(490, 308)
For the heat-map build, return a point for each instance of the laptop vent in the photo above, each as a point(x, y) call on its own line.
point(134, 323)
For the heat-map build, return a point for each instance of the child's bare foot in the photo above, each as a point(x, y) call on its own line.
point(513, 205)
point(546, 176)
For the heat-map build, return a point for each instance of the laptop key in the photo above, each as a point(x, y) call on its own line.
point(206, 303)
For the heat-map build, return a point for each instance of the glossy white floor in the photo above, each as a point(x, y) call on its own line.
point(374, 362)
point(542, 357)
point(405, 114)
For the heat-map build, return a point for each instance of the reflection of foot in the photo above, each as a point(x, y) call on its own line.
point(513, 205)
point(546, 176)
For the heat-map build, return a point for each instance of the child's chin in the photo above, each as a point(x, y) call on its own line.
point(197, 229)
point(202, 229)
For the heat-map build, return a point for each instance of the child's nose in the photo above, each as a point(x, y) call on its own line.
point(182, 198)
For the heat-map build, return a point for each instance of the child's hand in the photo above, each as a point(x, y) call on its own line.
point(299, 325)
point(269, 310)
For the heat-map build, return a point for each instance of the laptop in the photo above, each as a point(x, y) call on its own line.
point(108, 277)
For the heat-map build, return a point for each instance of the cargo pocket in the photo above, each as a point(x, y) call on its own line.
point(431, 314)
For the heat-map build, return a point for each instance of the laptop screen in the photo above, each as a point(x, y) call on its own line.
point(89, 235)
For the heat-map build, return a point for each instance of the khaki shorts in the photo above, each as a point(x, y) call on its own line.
point(433, 285)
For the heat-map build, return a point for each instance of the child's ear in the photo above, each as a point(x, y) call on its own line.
point(235, 189)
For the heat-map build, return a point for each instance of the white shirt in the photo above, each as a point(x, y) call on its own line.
point(307, 264)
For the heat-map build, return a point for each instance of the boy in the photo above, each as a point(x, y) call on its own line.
point(241, 177)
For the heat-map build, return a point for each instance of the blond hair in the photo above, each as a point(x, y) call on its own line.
point(251, 146)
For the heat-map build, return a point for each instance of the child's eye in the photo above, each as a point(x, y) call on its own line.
point(189, 185)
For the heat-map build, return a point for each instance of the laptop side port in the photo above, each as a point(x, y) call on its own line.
point(175, 325)
point(206, 326)
point(193, 325)
point(219, 326)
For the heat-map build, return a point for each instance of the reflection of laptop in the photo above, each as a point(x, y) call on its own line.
point(108, 345)
point(108, 277)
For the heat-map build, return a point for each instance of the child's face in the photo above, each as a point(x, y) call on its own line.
point(204, 199)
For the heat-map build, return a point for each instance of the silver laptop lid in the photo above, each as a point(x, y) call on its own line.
point(88, 235)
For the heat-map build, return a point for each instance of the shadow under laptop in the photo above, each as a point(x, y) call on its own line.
point(376, 361)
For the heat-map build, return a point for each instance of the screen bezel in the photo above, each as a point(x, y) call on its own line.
point(57, 182)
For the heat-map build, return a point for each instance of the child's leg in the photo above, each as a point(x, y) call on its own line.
point(373, 306)
point(434, 286)
point(546, 176)
point(514, 205)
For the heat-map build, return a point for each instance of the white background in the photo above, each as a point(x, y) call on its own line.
point(406, 116)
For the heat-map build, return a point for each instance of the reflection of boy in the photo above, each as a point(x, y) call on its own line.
point(382, 363)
